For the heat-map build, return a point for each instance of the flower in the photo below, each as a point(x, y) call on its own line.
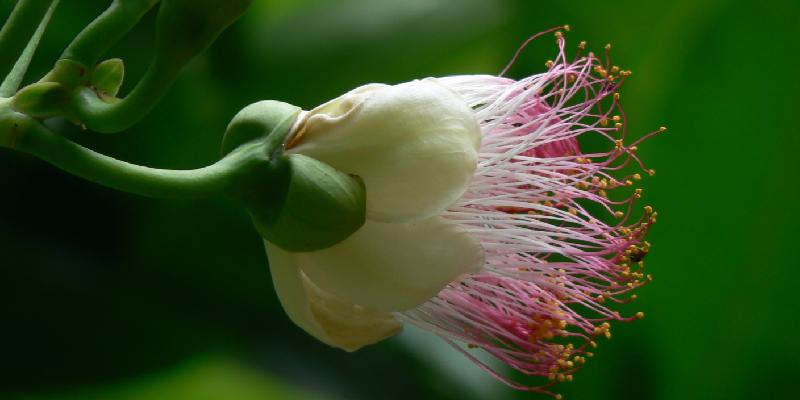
point(487, 223)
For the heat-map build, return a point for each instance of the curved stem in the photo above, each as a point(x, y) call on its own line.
point(106, 30)
point(14, 78)
point(105, 117)
point(151, 182)
point(19, 27)
point(184, 28)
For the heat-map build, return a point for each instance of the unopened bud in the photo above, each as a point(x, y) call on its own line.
point(108, 75)
point(42, 100)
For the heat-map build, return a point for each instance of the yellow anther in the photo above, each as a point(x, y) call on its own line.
point(567, 28)
point(582, 45)
point(634, 297)
point(594, 345)
point(569, 378)
point(559, 397)
point(625, 73)
point(616, 118)
point(618, 214)
point(614, 69)
point(628, 182)
point(608, 46)
point(640, 315)
point(662, 129)
point(616, 96)
point(618, 125)
point(633, 148)
point(559, 35)
point(549, 64)
point(651, 172)
point(603, 122)
point(600, 71)
point(602, 193)
point(648, 209)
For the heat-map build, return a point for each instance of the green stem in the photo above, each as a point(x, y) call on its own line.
point(14, 78)
point(105, 117)
point(184, 28)
point(120, 175)
point(19, 27)
point(106, 30)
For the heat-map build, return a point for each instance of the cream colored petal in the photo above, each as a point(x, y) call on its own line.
point(414, 144)
point(333, 321)
point(394, 266)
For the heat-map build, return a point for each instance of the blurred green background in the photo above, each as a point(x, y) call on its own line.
point(111, 296)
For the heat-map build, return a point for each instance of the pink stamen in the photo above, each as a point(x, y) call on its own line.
point(539, 303)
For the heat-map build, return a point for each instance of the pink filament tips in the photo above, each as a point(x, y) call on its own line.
point(561, 244)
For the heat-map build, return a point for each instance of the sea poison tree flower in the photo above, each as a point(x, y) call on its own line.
point(487, 223)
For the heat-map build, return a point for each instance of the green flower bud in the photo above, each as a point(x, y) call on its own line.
point(107, 76)
point(42, 100)
point(68, 73)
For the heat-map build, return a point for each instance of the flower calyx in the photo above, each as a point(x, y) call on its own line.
point(296, 202)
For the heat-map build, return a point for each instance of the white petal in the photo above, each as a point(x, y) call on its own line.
point(335, 322)
point(414, 144)
point(394, 266)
